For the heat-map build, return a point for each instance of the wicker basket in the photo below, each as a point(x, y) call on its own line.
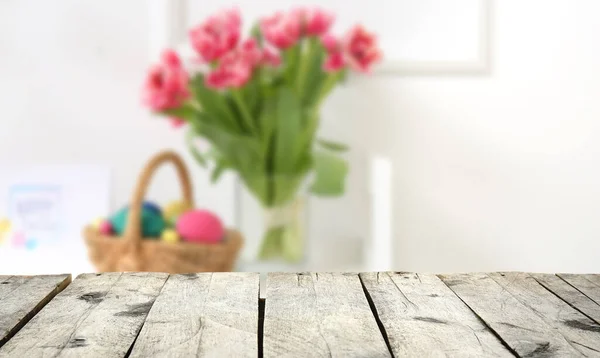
point(132, 253)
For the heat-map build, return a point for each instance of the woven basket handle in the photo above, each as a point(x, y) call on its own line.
point(133, 228)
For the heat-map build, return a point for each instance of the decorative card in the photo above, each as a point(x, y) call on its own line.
point(42, 213)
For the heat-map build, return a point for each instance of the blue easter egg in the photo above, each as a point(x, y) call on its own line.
point(152, 207)
point(152, 222)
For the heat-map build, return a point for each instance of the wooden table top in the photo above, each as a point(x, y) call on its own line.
point(304, 315)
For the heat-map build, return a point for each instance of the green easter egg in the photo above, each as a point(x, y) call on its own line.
point(153, 207)
point(119, 220)
point(152, 222)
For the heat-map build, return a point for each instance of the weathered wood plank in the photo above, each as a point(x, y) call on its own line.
point(319, 315)
point(580, 331)
point(594, 278)
point(570, 295)
point(206, 314)
point(22, 297)
point(9, 284)
point(521, 328)
point(423, 318)
point(98, 315)
point(584, 283)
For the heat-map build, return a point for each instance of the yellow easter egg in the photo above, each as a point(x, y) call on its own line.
point(175, 208)
point(96, 223)
point(169, 235)
point(4, 226)
point(4, 229)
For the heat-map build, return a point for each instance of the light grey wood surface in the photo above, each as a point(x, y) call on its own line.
point(96, 316)
point(518, 326)
point(423, 317)
point(594, 278)
point(10, 283)
point(22, 297)
point(302, 315)
point(570, 295)
point(319, 315)
point(580, 331)
point(589, 285)
point(203, 315)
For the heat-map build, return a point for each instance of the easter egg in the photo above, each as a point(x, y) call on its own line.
point(169, 235)
point(4, 226)
point(148, 205)
point(200, 226)
point(152, 223)
point(105, 228)
point(173, 210)
point(96, 223)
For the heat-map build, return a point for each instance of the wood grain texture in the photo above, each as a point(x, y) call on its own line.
point(570, 295)
point(589, 285)
point(520, 327)
point(203, 315)
point(423, 318)
point(594, 278)
point(98, 315)
point(580, 331)
point(10, 283)
point(319, 315)
point(22, 297)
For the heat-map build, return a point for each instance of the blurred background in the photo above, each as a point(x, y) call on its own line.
point(474, 147)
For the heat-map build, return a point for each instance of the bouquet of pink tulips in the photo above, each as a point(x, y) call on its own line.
point(257, 100)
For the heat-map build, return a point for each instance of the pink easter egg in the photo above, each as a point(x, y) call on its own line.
point(106, 228)
point(200, 226)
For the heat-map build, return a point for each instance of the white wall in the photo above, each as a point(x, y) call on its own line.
point(493, 172)
point(501, 171)
point(71, 74)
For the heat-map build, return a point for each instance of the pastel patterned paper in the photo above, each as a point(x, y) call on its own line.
point(37, 211)
point(4, 230)
point(48, 206)
point(18, 239)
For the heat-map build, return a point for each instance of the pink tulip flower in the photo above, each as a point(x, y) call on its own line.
point(166, 85)
point(250, 52)
point(335, 60)
point(177, 122)
point(317, 22)
point(282, 30)
point(171, 58)
point(330, 43)
point(234, 70)
point(217, 35)
point(270, 57)
point(360, 49)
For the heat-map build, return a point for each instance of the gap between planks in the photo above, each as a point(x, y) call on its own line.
point(33, 303)
point(262, 301)
point(376, 315)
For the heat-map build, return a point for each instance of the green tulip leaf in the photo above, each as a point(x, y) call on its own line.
point(256, 33)
point(289, 125)
point(189, 139)
point(330, 174)
point(184, 112)
point(332, 146)
point(216, 104)
point(218, 170)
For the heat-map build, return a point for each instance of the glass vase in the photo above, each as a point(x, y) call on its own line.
point(274, 234)
point(284, 232)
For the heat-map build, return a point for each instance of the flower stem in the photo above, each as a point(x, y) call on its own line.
point(291, 55)
point(304, 66)
point(330, 82)
point(241, 104)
